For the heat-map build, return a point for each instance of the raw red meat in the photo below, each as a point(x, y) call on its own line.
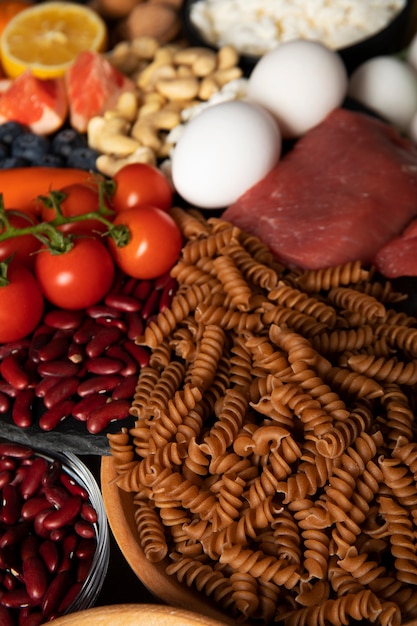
point(399, 256)
point(347, 188)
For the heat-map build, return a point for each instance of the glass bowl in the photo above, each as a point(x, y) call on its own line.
point(63, 477)
point(389, 40)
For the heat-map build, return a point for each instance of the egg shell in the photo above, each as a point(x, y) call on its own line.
point(387, 86)
point(224, 151)
point(299, 82)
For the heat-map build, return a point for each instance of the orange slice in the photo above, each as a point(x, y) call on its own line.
point(46, 38)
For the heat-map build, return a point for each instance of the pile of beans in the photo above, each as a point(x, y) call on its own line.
point(82, 365)
point(47, 536)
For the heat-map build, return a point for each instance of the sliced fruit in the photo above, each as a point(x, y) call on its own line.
point(10, 8)
point(93, 85)
point(42, 105)
point(47, 37)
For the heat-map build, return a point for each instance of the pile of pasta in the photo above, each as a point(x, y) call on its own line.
point(272, 457)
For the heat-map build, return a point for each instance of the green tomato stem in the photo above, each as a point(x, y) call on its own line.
point(49, 234)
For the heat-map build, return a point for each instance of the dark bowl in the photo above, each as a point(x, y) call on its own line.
point(390, 40)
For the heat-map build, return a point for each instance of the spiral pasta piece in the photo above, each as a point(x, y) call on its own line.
point(293, 298)
point(347, 298)
point(380, 369)
point(209, 351)
point(314, 281)
point(150, 531)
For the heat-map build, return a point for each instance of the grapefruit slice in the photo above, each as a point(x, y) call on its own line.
point(42, 105)
point(47, 37)
point(93, 86)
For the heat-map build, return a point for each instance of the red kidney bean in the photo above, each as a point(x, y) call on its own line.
point(86, 548)
point(8, 389)
point(33, 480)
point(85, 529)
point(151, 304)
point(63, 319)
point(103, 365)
point(102, 416)
point(70, 596)
point(14, 346)
point(61, 368)
point(22, 414)
point(82, 409)
point(88, 513)
point(5, 477)
point(142, 290)
point(101, 310)
point(6, 618)
point(130, 366)
point(135, 325)
point(127, 287)
point(167, 294)
point(55, 593)
point(35, 577)
point(56, 494)
point(112, 323)
point(4, 402)
point(86, 331)
point(126, 388)
point(102, 340)
point(68, 547)
point(29, 547)
point(56, 414)
point(14, 535)
point(52, 474)
point(31, 508)
point(12, 371)
point(75, 353)
point(38, 523)
point(98, 384)
point(122, 302)
point(139, 353)
point(84, 567)
point(45, 384)
point(8, 463)
point(62, 390)
point(38, 341)
point(10, 511)
point(49, 552)
point(32, 619)
point(16, 599)
point(73, 487)
point(55, 349)
point(66, 514)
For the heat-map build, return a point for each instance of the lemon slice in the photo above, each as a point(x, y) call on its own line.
point(48, 37)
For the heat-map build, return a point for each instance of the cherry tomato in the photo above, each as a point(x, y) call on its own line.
point(21, 304)
point(20, 186)
point(22, 248)
point(154, 245)
point(80, 199)
point(76, 279)
point(139, 184)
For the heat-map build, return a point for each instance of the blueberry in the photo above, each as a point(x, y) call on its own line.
point(9, 162)
point(83, 159)
point(50, 160)
point(10, 130)
point(4, 150)
point(30, 146)
point(67, 140)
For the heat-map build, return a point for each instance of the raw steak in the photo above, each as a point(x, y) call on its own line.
point(399, 256)
point(347, 187)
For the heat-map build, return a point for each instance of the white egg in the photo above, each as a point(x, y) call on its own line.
point(387, 86)
point(411, 55)
point(223, 151)
point(300, 82)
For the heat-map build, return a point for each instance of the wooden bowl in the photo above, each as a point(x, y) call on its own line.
point(134, 615)
point(120, 513)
